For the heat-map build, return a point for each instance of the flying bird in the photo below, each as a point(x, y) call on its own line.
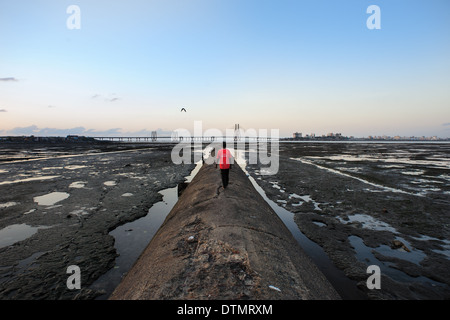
point(183, 109)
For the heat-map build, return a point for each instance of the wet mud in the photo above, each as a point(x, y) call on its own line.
point(58, 210)
point(371, 204)
point(362, 203)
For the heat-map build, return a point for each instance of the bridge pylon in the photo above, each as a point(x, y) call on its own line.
point(237, 132)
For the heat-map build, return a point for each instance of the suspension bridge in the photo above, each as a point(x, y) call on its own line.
point(239, 135)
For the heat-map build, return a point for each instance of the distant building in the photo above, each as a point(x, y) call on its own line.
point(339, 136)
point(72, 137)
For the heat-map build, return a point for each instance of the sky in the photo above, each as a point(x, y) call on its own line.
point(297, 66)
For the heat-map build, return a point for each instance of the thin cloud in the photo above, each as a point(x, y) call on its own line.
point(447, 124)
point(3, 110)
point(8, 79)
point(30, 130)
point(81, 131)
point(147, 133)
point(110, 98)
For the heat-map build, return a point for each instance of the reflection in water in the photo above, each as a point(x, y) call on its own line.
point(17, 232)
point(368, 222)
point(366, 255)
point(132, 238)
point(344, 286)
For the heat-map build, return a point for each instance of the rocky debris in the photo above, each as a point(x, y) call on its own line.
point(213, 269)
point(397, 244)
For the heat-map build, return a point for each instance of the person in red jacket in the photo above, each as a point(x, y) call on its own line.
point(224, 158)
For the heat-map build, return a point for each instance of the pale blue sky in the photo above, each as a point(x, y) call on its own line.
point(306, 66)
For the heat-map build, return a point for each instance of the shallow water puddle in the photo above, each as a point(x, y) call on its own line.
point(77, 184)
point(320, 224)
point(305, 198)
point(74, 167)
point(27, 263)
point(17, 232)
point(368, 222)
point(445, 244)
point(137, 234)
point(51, 198)
point(79, 212)
point(398, 161)
point(132, 238)
point(302, 160)
point(413, 172)
point(30, 211)
point(8, 204)
point(366, 255)
point(29, 179)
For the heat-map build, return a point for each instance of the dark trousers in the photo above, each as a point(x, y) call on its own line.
point(225, 173)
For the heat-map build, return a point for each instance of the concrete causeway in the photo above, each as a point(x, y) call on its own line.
point(223, 244)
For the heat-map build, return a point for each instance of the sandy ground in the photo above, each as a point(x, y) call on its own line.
point(372, 204)
point(58, 212)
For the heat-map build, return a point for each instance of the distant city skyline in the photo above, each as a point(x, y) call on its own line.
point(128, 67)
point(33, 131)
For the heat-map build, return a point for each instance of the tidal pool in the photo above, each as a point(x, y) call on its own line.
point(17, 232)
point(51, 198)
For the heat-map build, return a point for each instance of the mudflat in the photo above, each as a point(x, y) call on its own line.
point(382, 204)
point(365, 204)
point(59, 203)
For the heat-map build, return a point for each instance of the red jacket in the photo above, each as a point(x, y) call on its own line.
point(224, 157)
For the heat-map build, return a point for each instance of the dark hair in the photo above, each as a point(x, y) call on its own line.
point(224, 144)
